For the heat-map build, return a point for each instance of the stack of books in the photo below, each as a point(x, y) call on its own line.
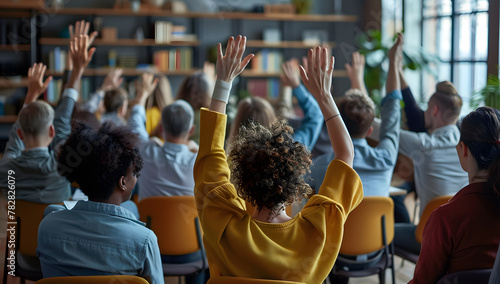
point(166, 32)
point(266, 88)
point(55, 89)
point(267, 61)
point(127, 61)
point(173, 59)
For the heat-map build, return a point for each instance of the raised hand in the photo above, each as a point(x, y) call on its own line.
point(36, 85)
point(395, 55)
point(144, 88)
point(396, 52)
point(81, 28)
point(112, 81)
point(81, 55)
point(356, 71)
point(318, 76)
point(230, 65)
point(291, 74)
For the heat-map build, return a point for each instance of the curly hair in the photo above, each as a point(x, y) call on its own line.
point(97, 158)
point(268, 166)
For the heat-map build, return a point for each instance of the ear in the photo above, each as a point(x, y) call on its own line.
point(121, 184)
point(465, 149)
point(369, 131)
point(20, 134)
point(191, 131)
point(435, 110)
point(52, 131)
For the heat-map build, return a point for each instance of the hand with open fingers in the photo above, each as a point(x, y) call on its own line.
point(231, 65)
point(80, 28)
point(395, 53)
point(291, 75)
point(113, 80)
point(356, 70)
point(318, 76)
point(145, 87)
point(81, 55)
point(36, 85)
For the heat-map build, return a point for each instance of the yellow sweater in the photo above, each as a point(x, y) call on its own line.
point(303, 249)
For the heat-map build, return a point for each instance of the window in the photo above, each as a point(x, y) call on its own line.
point(457, 32)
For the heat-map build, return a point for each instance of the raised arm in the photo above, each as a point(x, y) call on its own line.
point(81, 56)
point(112, 81)
point(390, 107)
point(137, 119)
point(318, 80)
point(356, 72)
point(310, 128)
point(36, 87)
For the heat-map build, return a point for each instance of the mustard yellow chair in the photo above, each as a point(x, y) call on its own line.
point(107, 279)
point(367, 244)
point(174, 220)
point(429, 208)
point(242, 280)
point(28, 217)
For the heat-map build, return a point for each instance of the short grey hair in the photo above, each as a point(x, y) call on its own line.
point(36, 118)
point(177, 118)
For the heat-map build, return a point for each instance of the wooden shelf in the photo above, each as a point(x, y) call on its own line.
point(126, 72)
point(14, 14)
point(283, 44)
point(6, 83)
point(119, 42)
point(220, 15)
point(259, 74)
point(8, 118)
point(11, 47)
point(22, 4)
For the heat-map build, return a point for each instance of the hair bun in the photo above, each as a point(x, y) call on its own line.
point(446, 87)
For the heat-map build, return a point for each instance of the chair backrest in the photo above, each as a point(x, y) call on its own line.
point(106, 279)
point(363, 229)
point(28, 217)
point(429, 208)
point(243, 280)
point(174, 221)
point(466, 277)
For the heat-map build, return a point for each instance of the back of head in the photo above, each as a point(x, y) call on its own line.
point(86, 117)
point(252, 109)
point(114, 99)
point(268, 165)
point(36, 118)
point(177, 118)
point(480, 132)
point(357, 111)
point(196, 90)
point(97, 159)
point(448, 101)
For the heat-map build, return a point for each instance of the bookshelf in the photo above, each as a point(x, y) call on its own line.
point(258, 74)
point(119, 42)
point(93, 72)
point(15, 47)
point(284, 44)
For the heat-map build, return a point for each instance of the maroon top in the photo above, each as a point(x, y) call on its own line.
point(461, 235)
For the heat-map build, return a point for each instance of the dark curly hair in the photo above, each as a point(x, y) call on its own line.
point(268, 166)
point(97, 158)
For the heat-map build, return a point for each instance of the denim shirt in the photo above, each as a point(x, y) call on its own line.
point(95, 238)
point(374, 165)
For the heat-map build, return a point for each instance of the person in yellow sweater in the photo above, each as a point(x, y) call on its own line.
point(268, 166)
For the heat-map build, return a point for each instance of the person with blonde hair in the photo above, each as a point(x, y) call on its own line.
point(268, 165)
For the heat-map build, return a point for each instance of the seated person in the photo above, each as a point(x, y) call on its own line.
point(268, 167)
point(115, 106)
point(464, 233)
point(374, 165)
point(35, 140)
point(259, 110)
point(167, 168)
point(110, 156)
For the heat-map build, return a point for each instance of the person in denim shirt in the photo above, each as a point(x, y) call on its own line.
point(98, 237)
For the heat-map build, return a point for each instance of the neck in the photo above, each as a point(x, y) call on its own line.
point(33, 143)
point(264, 216)
point(175, 140)
point(478, 176)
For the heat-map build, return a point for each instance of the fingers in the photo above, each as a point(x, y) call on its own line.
point(332, 64)
point(87, 27)
point(92, 36)
point(246, 60)
point(46, 84)
point(71, 32)
point(324, 59)
point(241, 47)
point(229, 47)
point(317, 58)
point(219, 51)
point(90, 54)
point(303, 75)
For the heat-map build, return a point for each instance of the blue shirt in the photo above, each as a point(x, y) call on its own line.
point(310, 126)
point(374, 165)
point(168, 168)
point(37, 179)
point(97, 238)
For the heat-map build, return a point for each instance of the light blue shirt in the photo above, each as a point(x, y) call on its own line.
point(435, 161)
point(168, 169)
point(97, 238)
point(310, 126)
point(37, 179)
point(374, 165)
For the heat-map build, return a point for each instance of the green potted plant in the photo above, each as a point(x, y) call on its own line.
point(375, 51)
point(489, 94)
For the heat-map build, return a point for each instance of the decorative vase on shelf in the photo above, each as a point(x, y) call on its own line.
point(303, 6)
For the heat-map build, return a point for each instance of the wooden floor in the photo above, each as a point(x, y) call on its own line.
point(404, 273)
